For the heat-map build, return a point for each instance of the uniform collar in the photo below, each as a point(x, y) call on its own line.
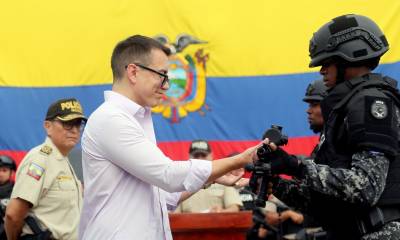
point(125, 103)
point(337, 93)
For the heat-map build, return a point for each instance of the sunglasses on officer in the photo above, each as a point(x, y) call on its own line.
point(68, 125)
point(163, 76)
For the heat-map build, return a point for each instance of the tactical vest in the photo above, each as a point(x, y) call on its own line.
point(6, 189)
point(335, 152)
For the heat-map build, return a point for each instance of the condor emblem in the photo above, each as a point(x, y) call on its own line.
point(187, 74)
point(379, 109)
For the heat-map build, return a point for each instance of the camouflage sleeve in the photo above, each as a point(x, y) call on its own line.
point(294, 193)
point(363, 183)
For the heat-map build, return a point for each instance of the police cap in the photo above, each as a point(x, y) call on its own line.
point(65, 110)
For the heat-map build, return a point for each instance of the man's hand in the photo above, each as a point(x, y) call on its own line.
point(249, 155)
point(219, 209)
point(296, 217)
point(274, 218)
point(216, 209)
point(231, 178)
point(243, 182)
point(282, 162)
point(225, 165)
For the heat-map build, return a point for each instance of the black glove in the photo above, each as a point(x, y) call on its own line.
point(282, 162)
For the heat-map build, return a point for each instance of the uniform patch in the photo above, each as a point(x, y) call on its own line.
point(35, 171)
point(46, 150)
point(61, 178)
point(398, 116)
point(379, 109)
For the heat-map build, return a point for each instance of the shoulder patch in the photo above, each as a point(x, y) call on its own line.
point(46, 150)
point(398, 116)
point(35, 171)
point(379, 109)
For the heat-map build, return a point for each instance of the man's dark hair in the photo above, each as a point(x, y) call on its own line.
point(136, 48)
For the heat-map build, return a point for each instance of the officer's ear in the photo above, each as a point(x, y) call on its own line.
point(47, 126)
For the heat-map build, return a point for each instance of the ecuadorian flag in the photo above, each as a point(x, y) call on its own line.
point(239, 67)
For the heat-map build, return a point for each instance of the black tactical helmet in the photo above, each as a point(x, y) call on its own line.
point(351, 37)
point(316, 91)
point(6, 161)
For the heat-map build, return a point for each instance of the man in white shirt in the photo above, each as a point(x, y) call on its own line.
point(129, 182)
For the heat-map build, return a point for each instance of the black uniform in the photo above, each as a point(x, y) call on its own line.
point(356, 173)
point(6, 189)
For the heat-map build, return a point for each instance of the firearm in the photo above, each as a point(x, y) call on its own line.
point(31, 221)
point(261, 169)
point(260, 179)
point(38, 233)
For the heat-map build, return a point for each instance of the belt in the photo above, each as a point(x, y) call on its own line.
point(390, 214)
point(377, 217)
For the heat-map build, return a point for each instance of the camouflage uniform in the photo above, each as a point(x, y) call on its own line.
point(362, 184)
point(389, 232)
point(354, 180)
point(352, 188)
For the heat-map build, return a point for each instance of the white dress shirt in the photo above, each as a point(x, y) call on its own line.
point(128, 181)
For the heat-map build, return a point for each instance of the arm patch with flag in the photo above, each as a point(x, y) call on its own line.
point(35, 171)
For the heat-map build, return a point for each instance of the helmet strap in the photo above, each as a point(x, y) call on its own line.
point(341, 69)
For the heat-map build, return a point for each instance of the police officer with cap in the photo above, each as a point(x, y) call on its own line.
point(355, 190)
point(7, 166)
point(200, 149)
point(46, 186)
point(214, 197)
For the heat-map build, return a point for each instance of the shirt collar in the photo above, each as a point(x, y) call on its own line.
point(128, 105)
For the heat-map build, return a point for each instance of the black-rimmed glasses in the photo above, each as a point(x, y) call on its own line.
point(164, 77)
point(68, 125)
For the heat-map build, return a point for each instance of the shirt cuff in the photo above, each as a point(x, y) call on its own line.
point(172, 200)
point(200, 171)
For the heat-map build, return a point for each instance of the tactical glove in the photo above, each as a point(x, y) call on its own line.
point(282, 162)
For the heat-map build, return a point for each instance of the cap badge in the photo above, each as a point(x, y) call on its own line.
point(73, 106)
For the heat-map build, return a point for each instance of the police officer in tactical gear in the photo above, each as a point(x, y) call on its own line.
point(353, 186)
point(7, 166)
point(316, 91)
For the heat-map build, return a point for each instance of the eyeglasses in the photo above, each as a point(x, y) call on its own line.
point(68, 125)
point(164, 77)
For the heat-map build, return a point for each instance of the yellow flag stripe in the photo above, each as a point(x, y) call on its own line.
point(52, 43)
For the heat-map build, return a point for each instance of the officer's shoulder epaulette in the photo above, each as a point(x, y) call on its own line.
point(46, 150)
